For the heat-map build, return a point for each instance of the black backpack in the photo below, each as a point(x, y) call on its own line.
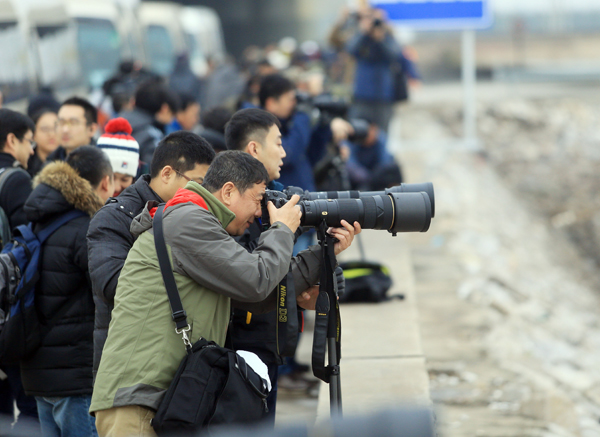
point(21, 328)
point(365, 282)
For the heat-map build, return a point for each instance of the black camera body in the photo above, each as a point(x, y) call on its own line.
point(405, 208)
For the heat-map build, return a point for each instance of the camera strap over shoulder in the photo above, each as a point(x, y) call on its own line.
point(178, 314)
point(327, 312)
point(287, 316)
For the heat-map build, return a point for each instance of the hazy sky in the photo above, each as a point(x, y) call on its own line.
point(544, 5)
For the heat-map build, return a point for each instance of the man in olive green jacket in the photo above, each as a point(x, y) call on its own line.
point(142, 351)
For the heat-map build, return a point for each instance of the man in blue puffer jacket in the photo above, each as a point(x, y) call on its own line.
point(375, 51)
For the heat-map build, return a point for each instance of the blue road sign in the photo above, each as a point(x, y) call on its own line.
point(437, 14)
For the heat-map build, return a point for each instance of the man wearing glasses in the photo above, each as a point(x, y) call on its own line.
point(179, 158)
point(77, 125)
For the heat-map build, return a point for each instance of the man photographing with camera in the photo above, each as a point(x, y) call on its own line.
point(257, 132)
point(278, 96)
point(142, 351)
point(375, 50)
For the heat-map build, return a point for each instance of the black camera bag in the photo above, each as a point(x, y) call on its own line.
point(213, 385)
point(365, 282)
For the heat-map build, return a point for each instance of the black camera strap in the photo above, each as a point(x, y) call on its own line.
point(177, 312)
point(287, 316)
point(328, 328)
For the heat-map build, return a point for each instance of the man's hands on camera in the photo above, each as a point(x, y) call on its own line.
point(344, 235)
point(340, 129)
point(289, 214)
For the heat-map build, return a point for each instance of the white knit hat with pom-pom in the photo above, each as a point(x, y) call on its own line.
point(122, 149)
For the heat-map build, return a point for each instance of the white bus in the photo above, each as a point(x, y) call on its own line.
point(170, 29)
point(75, 45)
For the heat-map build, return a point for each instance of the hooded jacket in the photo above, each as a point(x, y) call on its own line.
point(143, 351)
point(62, 366)
point(109, 242)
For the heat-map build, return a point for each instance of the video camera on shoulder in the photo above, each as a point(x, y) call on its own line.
point(404, 208)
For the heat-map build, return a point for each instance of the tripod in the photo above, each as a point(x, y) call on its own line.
point(328, 329)
point(334, 167)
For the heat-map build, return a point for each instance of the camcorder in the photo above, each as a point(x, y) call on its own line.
point(404, 208)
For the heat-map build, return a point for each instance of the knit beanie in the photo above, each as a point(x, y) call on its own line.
point(120, 147)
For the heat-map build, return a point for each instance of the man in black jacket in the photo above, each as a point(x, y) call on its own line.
point(16, 137)
point(59, 373)
point(257, 133)
point(181, 157)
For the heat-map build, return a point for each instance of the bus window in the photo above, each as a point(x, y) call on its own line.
point(99, 50)
point(159, 50)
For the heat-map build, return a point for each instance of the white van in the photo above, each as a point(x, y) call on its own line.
point(79, 42)
point(162, 35)
point(204, 37)
point(53, 39)
point(170, 29)
point(17, 73)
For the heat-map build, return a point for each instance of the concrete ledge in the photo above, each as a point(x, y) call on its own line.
point(388, 329)
point(370, 385)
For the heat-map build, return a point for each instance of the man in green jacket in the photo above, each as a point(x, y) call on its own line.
point(142, 351)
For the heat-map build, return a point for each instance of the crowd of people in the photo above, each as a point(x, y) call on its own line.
point(208, 149)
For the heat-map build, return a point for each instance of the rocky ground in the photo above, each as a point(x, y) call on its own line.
point(507, 280)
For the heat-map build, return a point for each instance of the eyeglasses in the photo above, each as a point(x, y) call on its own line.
point(48, 129)
point(198, 180)
point(71, 122)
point(30, 141)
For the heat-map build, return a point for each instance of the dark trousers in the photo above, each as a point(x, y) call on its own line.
point(11, 391)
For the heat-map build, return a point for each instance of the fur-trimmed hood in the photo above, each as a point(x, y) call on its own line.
point(59, 188)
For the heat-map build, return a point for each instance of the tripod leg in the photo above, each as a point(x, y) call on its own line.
point(361, 248)
point(335, 386)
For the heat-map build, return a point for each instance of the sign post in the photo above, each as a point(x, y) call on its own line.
point(469, 81)
point(465, 15)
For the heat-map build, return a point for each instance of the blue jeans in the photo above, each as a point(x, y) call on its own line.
point(66, 416)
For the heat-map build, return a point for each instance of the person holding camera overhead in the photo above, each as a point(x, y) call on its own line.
point(375, 50)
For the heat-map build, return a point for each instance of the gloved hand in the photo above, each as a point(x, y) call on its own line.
point(341, 281)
